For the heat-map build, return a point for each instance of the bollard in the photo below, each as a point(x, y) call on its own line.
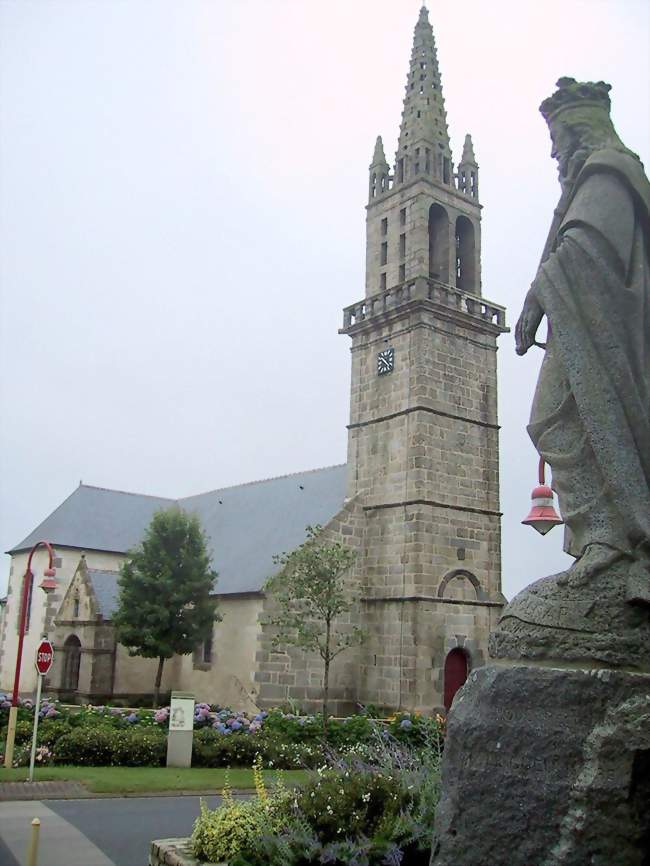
point(32, 852)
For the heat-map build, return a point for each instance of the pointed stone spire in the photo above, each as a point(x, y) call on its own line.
point(468, 170)
point(468, 150)
point(379, 157)
point(423, 146)
point(379, 171)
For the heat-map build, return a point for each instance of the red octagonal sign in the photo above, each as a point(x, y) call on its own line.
point(44, 657)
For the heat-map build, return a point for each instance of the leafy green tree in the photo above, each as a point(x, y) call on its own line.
point(311, 594)
point(165, 604)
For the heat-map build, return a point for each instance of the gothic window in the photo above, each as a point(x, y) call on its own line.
point(382, 281)
point(75, 607)
point(402, 217)
point(465, 272)
point(446, 170)
point(71, 663)
point(384, 226)
point(438, 243)
point(384, 253)
point(402, 246)
point(402, 273)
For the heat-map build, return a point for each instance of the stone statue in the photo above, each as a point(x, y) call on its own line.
point(546, 758)
point(590, 419)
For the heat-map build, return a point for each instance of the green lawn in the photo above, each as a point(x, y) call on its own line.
point(126, 780)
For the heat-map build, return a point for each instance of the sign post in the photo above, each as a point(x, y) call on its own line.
point(181, 730)
point(43, 662)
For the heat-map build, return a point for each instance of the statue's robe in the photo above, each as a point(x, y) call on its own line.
point(591, 413)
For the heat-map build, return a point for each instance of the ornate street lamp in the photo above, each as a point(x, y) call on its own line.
point(542, 516)
point(48, 585)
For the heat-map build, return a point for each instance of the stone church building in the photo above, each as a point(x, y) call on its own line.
point(418, 498)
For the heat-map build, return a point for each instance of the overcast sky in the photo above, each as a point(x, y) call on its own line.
point(182, 220)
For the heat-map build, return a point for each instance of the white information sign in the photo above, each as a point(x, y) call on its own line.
point(181, 714)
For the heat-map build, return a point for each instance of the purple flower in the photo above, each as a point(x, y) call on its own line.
point(236, 725)
point(161, 715)
point(132, 718)
point(406, 724)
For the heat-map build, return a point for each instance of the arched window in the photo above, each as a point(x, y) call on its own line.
point(71, 663)
point(75, 606)
point(465, 271)
point(456, 668)
point(438, 243)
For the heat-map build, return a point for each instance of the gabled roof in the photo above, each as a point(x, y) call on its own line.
point(104, 584)
point(94, 518)
point(246, 525)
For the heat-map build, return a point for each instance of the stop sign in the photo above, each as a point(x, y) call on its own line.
point(44, 657)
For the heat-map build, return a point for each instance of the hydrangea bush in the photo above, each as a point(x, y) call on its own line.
point(223, 737)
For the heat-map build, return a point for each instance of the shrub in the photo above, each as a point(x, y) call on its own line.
point(225, 832)
point(86, 746)
point(234, 828)
point(140, 747)
point(102, 746)
point(51, 730)
point(212, 749)
point(338, 805)
point(24, 730)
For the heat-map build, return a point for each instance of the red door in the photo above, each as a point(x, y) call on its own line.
point(455, 674)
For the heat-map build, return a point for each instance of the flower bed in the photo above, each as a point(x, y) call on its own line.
point(100, 735)
point(373, 810)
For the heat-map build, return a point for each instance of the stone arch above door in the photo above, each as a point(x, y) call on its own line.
point(466, 579)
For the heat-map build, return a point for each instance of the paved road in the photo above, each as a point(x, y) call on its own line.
point(103, 832)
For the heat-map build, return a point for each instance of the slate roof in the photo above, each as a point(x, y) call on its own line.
point(246, 525)
point(106, 590)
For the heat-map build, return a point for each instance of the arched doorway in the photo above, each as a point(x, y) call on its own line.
point(71, 662)
point(455, 674)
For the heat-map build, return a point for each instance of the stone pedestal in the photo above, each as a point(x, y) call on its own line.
point(546, 766)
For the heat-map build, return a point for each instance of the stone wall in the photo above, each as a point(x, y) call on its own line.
point(298, 675)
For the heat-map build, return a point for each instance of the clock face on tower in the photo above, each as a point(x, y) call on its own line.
point(385, 361)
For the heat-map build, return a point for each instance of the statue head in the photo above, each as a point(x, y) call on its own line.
point(578, 118)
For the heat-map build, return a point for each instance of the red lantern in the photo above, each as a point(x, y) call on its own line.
point(542, 516)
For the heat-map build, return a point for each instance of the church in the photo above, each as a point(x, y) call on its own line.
point(418, 499)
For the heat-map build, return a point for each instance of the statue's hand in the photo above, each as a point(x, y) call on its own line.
point(528, 323)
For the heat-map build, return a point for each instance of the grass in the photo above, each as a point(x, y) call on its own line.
point(130, 780)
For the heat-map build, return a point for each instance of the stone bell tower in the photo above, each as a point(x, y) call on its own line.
point(423, 456)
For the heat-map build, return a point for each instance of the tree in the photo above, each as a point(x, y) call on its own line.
point(165, 604)
point(311, 594)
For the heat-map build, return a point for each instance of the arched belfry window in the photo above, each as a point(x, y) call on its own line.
point(438, 243)
point(465, 263)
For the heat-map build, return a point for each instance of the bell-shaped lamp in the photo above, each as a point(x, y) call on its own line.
point(542, 515)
